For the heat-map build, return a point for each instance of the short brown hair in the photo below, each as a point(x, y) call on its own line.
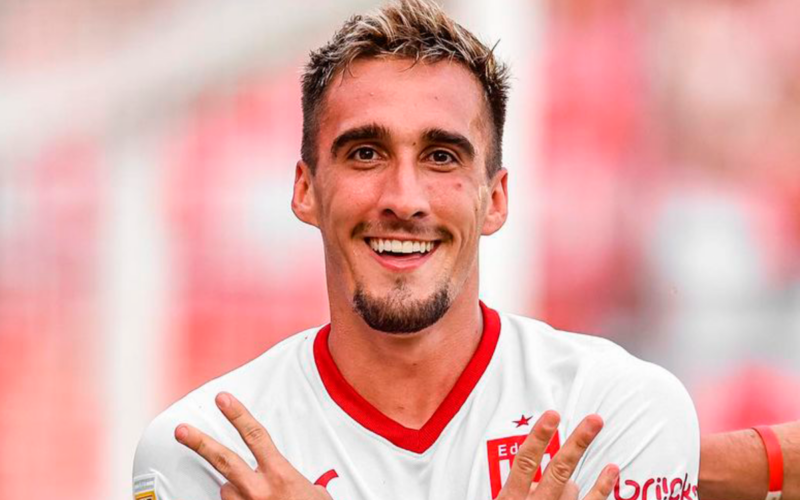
point(413, 29)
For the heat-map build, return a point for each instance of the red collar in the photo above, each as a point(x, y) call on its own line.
point(372, 419)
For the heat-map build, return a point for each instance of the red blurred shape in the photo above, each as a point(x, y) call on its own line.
point(755, 394)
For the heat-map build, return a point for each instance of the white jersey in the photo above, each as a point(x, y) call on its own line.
point(521, 369)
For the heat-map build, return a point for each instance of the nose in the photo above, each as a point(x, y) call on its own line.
point(404, 195)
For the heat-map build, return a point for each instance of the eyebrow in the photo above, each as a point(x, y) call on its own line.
point(439, 136)
point(372, 131)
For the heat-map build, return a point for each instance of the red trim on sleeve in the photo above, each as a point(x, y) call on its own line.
point(360, 410)
point(774, 456)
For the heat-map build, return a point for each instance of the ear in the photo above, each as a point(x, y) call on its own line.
point(497, 213)
point(304, 202)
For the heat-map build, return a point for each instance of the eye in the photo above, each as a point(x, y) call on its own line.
point(442, 157)
point(365, 154)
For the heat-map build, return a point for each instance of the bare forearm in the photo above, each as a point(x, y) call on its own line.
point(789, 437)
point(733, 465)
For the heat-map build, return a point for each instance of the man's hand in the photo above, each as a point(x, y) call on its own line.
point(555, 483)
point(274, 478)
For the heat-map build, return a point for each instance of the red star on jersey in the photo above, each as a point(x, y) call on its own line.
point(523, 420)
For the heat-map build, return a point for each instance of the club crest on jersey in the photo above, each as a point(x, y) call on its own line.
point(501, 453)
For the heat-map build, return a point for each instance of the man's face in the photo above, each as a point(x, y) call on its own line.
point(400, 192)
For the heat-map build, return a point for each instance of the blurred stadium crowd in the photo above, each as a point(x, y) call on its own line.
point(147, 150)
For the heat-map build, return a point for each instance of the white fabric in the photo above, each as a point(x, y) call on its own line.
point(651, 428)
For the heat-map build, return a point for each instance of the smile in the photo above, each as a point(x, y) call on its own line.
point(400, 247)
point(401, 255)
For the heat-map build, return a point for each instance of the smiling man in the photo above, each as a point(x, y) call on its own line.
point(416, 389)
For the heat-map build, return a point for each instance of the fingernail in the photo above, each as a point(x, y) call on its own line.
point(552, 420)
point(596, 423)
point(181, 433)
point(223, 400)
point(613, 471)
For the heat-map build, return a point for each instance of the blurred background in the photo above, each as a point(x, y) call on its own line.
point(147, 150)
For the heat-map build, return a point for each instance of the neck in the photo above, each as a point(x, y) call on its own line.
point(407, 376)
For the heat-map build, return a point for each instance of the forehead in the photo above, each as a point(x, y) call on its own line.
point(406, 98)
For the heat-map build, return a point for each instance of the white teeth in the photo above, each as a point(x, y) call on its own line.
point(397, 246)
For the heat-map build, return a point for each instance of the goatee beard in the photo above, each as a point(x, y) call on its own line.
point(398, 314)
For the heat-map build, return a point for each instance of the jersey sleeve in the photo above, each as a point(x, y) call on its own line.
point(164, 469)
point(650, 432)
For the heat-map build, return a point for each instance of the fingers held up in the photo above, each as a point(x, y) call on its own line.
point(561, 467)
point(556, 481)
point(529, 457)
point(274, 477)
point(605, 483)
point(254, 435)
point(225, 461)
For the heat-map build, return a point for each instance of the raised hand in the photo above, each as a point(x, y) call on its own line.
point(555, 483)
point(273, 479)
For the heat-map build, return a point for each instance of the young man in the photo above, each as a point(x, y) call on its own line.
point(416, 389)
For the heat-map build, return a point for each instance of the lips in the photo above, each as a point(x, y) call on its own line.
point(410, 254)
point(382, 245)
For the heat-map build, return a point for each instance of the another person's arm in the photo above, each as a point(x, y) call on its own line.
point(733, 465)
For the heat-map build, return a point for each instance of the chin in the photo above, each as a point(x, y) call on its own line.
point(400, 313)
